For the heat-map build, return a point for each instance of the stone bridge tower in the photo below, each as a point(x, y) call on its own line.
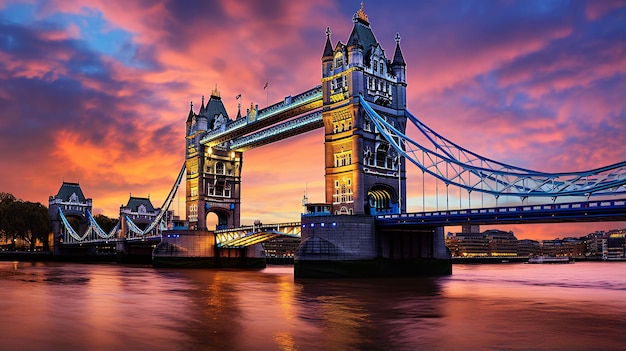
point(71, 200)
point(364, 175)
point(213, 179)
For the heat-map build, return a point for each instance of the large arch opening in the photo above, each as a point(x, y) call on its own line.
point(216, 220)
point(380, 200)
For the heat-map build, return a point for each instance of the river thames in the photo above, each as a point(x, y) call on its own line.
point(63, 306)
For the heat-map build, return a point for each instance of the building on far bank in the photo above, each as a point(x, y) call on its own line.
point(567, 247)
point(616, 245)
point(596, 246)
point(599, 245)
point(490, 243)
point(501, 243)
point(527, 248)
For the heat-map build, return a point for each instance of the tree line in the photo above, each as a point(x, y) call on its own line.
point(23, 220)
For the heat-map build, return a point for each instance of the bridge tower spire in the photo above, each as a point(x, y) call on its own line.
point(364, 174)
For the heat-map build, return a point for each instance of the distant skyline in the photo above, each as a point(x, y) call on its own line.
point(97, 92)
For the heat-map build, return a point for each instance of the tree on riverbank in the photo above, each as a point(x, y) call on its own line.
point(106, 223)
point(23, 220)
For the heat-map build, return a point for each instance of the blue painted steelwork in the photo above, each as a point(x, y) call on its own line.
point(586, 211)
point(457, 166)
point(95, 234)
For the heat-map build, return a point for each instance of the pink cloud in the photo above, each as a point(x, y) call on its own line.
point(596, 9)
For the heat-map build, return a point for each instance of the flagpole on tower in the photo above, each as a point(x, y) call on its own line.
point(267, 92)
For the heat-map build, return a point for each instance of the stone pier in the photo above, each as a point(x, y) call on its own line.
point(353, 246)
point(197, 249)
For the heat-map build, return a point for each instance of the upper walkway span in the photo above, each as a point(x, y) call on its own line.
point(276, 116)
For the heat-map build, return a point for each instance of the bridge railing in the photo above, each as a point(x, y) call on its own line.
point(512, 209)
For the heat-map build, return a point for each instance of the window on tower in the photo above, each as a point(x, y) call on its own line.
point(219, 168)
point(338, 60)
point(343, 158)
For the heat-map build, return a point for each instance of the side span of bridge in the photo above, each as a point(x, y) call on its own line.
point(587, 211)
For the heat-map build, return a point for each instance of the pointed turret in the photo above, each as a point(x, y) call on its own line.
point(328, 48)
point(398, 58)
point(191, 114)
point(398, 65)
point(202, 117)
point(327, 57)
point(202, 108)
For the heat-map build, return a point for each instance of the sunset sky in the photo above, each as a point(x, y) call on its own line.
point(97, 92)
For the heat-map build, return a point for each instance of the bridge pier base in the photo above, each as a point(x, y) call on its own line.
point(197, 249)
point(352, 246)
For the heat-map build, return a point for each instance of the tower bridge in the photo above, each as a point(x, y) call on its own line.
point(363, 226)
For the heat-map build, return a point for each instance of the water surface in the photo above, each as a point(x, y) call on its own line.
point(59, 306)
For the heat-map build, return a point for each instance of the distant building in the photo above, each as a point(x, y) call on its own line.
point(571, 247)
point(527, 248)
point(616, 244)
point(599, 245)
point(490, 243)
point(501, 243)
point(596, 246)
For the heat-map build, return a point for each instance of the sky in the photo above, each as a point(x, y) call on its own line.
point(98, 92)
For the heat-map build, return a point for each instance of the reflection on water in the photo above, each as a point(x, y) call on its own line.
point(55, 306)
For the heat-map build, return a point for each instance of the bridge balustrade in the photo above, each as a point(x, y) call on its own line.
point(575, 211)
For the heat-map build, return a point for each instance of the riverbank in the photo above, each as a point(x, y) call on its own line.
point(45, 256)
point(498, 260)
point(26, 256)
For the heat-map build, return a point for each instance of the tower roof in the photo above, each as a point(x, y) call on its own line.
point(67, 189)
point(202, 106)
point(328, 48)
point(355, 40)
point(191, 113)
point(398, 59)
point(215, 106)
point(135, 202)
point(362, 32)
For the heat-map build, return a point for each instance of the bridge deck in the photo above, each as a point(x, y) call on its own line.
point(588, 211)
